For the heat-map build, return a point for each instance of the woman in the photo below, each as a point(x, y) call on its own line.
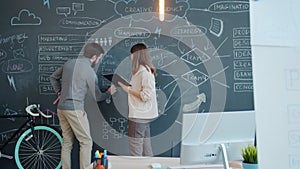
point(142, 101)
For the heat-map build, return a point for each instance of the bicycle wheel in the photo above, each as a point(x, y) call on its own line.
point(44, 153)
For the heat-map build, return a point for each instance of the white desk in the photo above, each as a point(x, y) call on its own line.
point(129, 162)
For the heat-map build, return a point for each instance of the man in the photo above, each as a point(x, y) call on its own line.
point(72, 82)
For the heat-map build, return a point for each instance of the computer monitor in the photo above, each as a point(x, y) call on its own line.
point(216, 137)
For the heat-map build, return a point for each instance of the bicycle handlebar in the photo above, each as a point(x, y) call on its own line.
point(35, 107)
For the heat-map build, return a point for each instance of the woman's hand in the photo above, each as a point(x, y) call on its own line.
point(124, 87)
point(130, 91)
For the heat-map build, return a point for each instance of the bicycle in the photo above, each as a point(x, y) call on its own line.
point(38, 146)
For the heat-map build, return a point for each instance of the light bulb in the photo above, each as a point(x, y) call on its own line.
point(161, 10)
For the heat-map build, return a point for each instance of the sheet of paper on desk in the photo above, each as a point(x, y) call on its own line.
point(202, 166)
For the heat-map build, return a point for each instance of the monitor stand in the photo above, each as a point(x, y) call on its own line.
point(225, 156)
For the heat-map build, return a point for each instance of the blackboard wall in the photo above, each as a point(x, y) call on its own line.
point(201, 51)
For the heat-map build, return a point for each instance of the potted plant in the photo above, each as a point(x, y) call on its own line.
point(249, 155)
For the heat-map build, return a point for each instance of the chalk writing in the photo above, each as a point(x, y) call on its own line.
point(19, 38)
point(243, 87)
point(188, 31)
point(242, 53)
point(132, 32)
point(48, 68)
point(44, 78)
point(125, 8)
point(195, 77)
point(241, 43)
point(242, 64)
point(55, 57)
point(60, 48)
point(195, 57)
point(79, 23)
point(243, 75)
point(130, 42)
point(46, 89)
point(61, 39)
point(229, 7)
point(241, 32)
point(17, 66)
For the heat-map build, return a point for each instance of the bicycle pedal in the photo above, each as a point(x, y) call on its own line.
point(6, 156)
point(29, 137)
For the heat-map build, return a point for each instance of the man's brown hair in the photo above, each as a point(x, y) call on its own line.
point(92, 49)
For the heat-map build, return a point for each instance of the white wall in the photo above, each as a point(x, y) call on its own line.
point(275, 22)
point(275, 38)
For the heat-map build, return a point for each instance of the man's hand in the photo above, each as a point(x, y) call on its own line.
point(57, 99)
point(112, 89)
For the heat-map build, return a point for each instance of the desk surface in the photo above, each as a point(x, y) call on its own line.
point(130, 162)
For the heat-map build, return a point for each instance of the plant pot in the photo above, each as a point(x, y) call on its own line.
point(249, 166)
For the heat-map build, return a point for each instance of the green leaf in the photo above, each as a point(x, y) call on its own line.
point(249, 154)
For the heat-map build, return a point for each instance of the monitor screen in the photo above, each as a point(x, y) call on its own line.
point(203, 133)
